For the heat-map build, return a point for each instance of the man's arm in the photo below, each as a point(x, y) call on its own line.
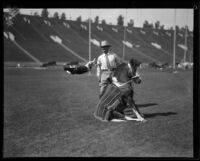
point(117, 60)
point(90, 64)
point(98, 69)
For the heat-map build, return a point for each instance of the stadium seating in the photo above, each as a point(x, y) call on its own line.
point(35, 34)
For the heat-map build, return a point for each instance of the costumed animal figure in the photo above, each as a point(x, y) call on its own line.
point(119, 94)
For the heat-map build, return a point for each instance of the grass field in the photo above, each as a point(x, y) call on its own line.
point(48, 113)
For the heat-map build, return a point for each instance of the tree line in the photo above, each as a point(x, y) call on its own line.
point(120, 21)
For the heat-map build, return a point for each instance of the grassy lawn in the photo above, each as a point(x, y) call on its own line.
point(48, 113)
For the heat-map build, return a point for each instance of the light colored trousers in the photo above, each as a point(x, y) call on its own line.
point(104, 81)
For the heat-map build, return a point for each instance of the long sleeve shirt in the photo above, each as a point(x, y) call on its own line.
point(102, 64)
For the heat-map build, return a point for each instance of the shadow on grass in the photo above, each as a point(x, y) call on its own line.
point(146, 105)
point(159, 114)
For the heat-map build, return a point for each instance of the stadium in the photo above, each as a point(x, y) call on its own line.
point(49, 113)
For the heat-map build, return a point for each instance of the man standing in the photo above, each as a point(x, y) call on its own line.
point(107, 62)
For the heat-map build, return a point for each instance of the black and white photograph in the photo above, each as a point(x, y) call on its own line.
point(98, 82)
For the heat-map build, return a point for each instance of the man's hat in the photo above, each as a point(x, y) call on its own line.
point(105, 43)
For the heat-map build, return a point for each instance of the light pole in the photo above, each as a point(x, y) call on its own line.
point(174, 52)
point(90, 36)
point(185, 51)
point(124, 36)
point(90, 39)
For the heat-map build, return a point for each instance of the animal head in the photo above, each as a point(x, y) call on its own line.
point(134, 64)
point(126, 71)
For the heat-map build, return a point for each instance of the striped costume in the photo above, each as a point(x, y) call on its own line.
point(107, 103)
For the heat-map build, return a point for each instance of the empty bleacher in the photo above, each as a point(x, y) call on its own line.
point(34, 34)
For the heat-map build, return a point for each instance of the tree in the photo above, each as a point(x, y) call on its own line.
point(157, 24)
point(103, 22)
point(131, 23)
point(162, 27)
point(63, 17)
point(182, 29)
point(56, 15)
point(87, 20)
point(44, 13)
point(187, 28)
point(35, 14)
point(79, 19)
point(151, 26)
point(177, 28)
point(96, 21)
point(120, 20)
point(145, 24)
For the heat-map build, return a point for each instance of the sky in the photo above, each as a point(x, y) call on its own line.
point(165, 16)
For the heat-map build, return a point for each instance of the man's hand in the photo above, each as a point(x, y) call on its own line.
point(94, 61)
point(99, 78)
point(98, 74)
